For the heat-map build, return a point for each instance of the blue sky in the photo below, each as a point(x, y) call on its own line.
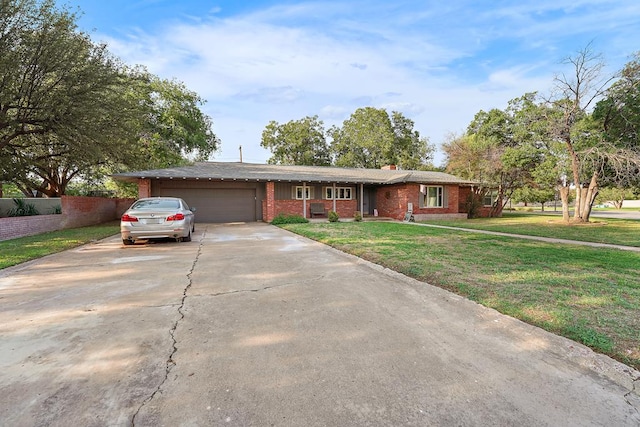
point(437, 62)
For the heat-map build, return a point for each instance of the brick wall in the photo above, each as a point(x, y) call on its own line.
point(344, 208)
point(11, 228)
point(144, 188)
point(392, 201)
point(76, 212)
point(83, 211)
point(268, 204)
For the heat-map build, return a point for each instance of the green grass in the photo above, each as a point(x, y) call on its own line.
point(591, 295)
point(599, 230)
point(16, 251)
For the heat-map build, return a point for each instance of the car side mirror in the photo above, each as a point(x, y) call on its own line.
point(193, 209)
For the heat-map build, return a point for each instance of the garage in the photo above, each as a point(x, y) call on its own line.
point(228, 202)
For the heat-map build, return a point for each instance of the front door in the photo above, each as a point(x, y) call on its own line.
point(369, 200)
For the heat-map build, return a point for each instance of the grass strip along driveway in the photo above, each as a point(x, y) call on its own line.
point(23, 249)
point(591, 295)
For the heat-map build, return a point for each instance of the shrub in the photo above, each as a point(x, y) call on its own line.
point(473, 205)
point(23, 209)
point(289, 219)
point(333, 216)
point(357, 216)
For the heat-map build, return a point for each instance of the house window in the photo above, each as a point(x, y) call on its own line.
point(490, 198)
point(432, 197)
point(300, 190)
point(342, 193)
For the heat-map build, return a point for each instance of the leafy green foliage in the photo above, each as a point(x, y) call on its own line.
point(23, 208)
point(613, 195)
point(503, 150)
point(533, 195)
point(371, 138)
point(299, 142)
point(289, 219)
point(333, 216)
point(69, 109)
point(174, 128)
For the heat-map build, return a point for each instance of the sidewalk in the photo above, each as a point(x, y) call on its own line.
point(542, 239)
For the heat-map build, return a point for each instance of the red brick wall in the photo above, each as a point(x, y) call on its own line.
point(268, 204)
point(344, 208)
point(144, 188)
point(14, 227)
point(392, 201)
point(122, 205)
point(76, 212)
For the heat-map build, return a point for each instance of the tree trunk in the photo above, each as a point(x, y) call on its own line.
point(590, 197)
point(575, 169)
point(564, 196)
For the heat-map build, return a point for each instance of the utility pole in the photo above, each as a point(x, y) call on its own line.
point(241, 154)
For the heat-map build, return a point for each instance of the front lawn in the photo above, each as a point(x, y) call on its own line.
point(16, 251)
point(599, 230)
point(591, 295)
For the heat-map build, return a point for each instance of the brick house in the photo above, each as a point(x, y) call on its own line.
point(229, 192)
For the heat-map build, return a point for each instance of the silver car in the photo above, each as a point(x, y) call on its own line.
point(157, 217)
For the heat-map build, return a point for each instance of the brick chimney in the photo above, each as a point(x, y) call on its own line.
point(389, 167)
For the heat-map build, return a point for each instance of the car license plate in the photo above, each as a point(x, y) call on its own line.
point(152, 221)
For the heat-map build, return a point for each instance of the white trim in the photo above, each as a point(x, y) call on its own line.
point(306, 193)
point(437, 199)
point(338, 193)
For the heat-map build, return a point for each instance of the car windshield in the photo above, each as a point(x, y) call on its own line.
point(156, 204)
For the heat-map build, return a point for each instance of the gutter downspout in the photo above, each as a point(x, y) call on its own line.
point(361, 199)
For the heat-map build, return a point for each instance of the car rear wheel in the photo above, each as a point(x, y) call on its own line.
point(187, 238)
point(127, 242)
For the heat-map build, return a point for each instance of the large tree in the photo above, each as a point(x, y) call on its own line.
point(618, 116)
point(68, 108)
point(297, 142)
point(502, 150)
point(174, 129)
point(575, 93)
point(370, 138)
point(559, 141)
point(49, 72)
point(409, 150)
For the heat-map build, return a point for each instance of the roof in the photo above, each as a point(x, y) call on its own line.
point(317, 174)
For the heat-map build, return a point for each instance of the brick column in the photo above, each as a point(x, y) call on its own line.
point(270, 209)
point(144, 188)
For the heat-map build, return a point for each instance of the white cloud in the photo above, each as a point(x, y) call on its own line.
point(438, 65)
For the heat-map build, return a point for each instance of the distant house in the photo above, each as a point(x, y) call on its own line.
point(231, 192)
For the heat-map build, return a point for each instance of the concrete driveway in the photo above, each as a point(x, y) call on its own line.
point(248, 325)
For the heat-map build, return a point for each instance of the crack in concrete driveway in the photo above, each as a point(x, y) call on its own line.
point(170, 362)
point(334, 340)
